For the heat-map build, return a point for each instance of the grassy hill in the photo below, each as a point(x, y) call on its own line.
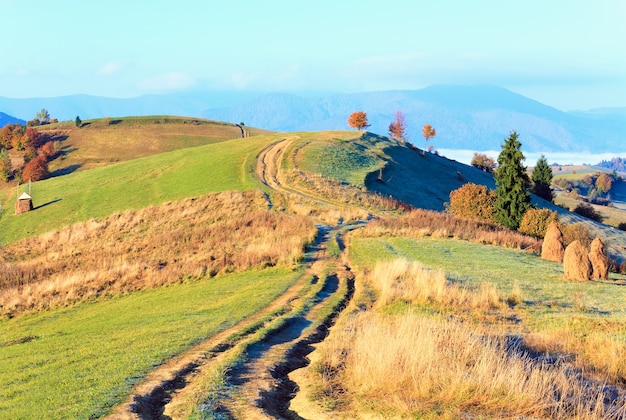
point(100, 142)
point(128, 264)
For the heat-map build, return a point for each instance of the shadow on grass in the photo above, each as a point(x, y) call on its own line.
point(47, 204)
point(65, 171)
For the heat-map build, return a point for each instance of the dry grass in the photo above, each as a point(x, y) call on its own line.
point(343, 192)
point(443, 369)
point(420, 223)
point(134, 250)
point(401, 280)
point(409, 365)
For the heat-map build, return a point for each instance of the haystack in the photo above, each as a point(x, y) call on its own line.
point(24, 203)
point(599, 260)
point(576, 264)
point(552, 248)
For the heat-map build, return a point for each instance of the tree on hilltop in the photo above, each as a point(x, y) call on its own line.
point(542, 178)
point(428, 132)
point(358, 120)
point(397, 129)
point(43, 116)
point(512, 198)
point(483, 162)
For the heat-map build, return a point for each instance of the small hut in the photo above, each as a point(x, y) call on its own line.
point(24, 203)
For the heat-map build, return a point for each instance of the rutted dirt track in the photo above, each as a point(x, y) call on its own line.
point(259, 386)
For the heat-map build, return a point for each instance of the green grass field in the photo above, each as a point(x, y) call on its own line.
point(134, 184)
point(80, 362)
point(547, 300)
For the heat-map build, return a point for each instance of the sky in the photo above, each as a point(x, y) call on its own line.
point(569, 54)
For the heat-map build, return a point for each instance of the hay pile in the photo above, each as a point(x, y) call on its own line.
point(552, 248)
point(599, 260)
point(576, 264)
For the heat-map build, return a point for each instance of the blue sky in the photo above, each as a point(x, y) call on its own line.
point(570, 54)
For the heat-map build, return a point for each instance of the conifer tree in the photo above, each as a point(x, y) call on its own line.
point(512, 198)
point(5, 165)
point(542, 178)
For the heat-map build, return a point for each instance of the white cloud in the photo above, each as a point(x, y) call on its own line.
point(168, 81)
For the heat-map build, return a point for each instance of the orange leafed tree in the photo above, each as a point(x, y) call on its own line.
point(428, 132)
point(358, 120)
point(36, 169)
point(397, 129)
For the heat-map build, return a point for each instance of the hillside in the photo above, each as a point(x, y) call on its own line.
point(192, 283)
point(104, 141)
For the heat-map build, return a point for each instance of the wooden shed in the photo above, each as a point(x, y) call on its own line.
point(24, 203)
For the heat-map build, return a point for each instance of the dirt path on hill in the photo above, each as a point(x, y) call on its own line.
point(259, 386)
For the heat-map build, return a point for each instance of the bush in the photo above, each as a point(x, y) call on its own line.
point(586, 210)
point(472, 201)
point(576, 232)
point(536, 221)
point(36, 169)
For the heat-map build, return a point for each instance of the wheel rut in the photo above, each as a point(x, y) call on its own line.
point(258, 386)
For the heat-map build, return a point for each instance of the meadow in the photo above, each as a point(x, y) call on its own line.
point(126, 265)
point(82, 361)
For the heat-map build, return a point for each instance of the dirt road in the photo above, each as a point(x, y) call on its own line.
point(258, 386)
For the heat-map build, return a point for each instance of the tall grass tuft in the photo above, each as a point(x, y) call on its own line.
point(401, 280)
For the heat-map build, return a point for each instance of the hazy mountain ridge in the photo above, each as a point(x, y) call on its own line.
point(6, 119)
point(465, 117)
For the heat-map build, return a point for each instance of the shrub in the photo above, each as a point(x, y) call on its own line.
point(587, 210)
point(484, 162)
point(576, 232)
point(473, 202)
point(536, 221)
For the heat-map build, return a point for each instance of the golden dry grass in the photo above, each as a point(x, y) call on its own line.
point(420, 223)
point(402, 280)
point(409, 365)
point(176, 241)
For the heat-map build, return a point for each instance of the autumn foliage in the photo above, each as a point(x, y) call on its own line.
point(483, 162)
point(428, 132)
point(397, 129)
point(36, 169)
point(473, 202)
point(535, 222)
point(358, 120)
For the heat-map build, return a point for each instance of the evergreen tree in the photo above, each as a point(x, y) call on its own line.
point(78, 122)
point(5, 165)
point(512, 198)
point(542, 178)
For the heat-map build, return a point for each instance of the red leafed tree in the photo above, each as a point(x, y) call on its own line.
point(358, 120)
point(428, 132)
point(397, 129)
point(36, 169)
point(34, 137)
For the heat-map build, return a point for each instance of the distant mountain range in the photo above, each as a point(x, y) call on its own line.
point(465, 117)
point(7, 119)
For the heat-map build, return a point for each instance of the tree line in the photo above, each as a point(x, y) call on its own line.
point(34, 146)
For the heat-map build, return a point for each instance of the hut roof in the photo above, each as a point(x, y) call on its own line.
point(24, 196)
